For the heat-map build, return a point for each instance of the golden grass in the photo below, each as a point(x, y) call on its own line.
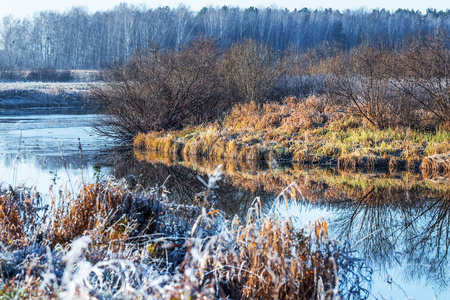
point(18, 213)
point(436, 164)
point(109, 212)
point(97, 209)
point(308, 131)
point(265, 258)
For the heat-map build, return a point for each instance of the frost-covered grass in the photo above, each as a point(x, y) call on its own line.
point(47, 86)
point(39, 95)
point(111, 240)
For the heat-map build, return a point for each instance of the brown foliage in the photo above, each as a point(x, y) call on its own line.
point(109, 212)
point(266, 259)
point(18, 216)
point(437, 164)
point(423, 73)
point(409, 88)
point(362, 80)
point(165, 90)
point(289, 117)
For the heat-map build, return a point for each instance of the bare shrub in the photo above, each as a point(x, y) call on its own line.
point(423, 73)
point(252, 70)
point(299, 86)
point(160, 90)
point(49, 73)
point(362, 82)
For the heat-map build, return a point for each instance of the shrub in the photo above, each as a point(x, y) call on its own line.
point(423, 73)
point(161, 90)
point(252, 70)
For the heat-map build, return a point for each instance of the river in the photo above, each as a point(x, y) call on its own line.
point(399, 223)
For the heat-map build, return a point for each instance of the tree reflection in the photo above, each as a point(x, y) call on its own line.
point(394, 220)
point(186, 188)
point(392, 231)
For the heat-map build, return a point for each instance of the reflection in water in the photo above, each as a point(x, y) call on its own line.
point(391, 231)
point(399, 222)
point(185, 187)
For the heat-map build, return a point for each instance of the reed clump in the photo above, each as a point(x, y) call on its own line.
point(19, 208)
point(110, 212)
point(436, 164)
point(266, 258)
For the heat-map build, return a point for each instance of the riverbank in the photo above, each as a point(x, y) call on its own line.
point(26, 97)
point(307, 132)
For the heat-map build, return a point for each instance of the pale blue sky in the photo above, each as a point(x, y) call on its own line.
point(21, 8)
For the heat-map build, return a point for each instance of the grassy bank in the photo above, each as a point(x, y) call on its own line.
point(109, 240)
point(309, 132)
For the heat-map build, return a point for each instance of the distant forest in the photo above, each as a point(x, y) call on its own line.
point(77, 39)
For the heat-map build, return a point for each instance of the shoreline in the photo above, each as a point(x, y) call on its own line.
point(37, 97)
point(273, 132)
point(171, 147)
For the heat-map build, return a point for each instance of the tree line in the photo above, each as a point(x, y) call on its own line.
point(77, 39)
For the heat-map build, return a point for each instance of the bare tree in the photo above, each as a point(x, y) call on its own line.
point(82, 40)
point(362, 81)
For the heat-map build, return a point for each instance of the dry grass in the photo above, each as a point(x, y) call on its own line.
point(436, 164)
point(96, 244)
point(110, 212)
point(266, 258)
point(18, 216)
point(289, 118)
point(308, 131)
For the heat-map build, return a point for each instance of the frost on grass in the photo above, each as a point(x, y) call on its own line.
point(127, 246)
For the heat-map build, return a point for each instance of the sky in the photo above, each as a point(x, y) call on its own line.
point(23, 8)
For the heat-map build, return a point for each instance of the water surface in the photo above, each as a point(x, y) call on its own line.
point(399, 223)
point(52, 149)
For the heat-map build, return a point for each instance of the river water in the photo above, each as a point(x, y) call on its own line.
point(398, 223)
point(48, 150)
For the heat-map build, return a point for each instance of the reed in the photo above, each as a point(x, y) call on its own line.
point(111, 241)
